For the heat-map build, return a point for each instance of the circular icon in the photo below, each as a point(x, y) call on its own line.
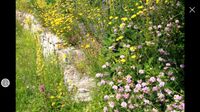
point(5, 82)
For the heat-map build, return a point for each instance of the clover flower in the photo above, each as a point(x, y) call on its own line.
point(124, 104)
point(152, 79)
point(118, 96)
point(111, 104)
point(126, 95)
point(177, 97)
point(114, 87)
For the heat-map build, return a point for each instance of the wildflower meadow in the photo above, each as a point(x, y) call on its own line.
point(133, 49)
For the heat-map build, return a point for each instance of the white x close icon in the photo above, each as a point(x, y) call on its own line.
point(192, 9)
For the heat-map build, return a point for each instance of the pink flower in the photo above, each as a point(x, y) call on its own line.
point(169, 107)
point(141, 71)
point(177, 97)
point(181, 106)
point(103, 82)
point(118, 96)
point(161, 84)
point(145, 89)
point(115, 87)
point(136, 90)
point(152, 79)
point(138, 86)
point(155, 88)
point(42, 88)
point(131, 106)
point(111, 104)
point(128, 79)
point(121, 89)
point(159, 80)
point(124, 104)
point(168, 91)
point(127, 88)
point(126, 95)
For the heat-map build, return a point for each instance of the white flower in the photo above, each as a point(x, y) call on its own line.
point(172, 78)
point(105, 109)
point(103, 66)
point(99, 75)
point(124, 104)
point(162, 84)
point(115, 87)
point(141, 71)
point(159, 26)
point(177, 21)
point(122, 56)
point(150, 28)
point(106, 97)
point(168, 64)
point(107, 64)
point(111, 104)
point(111, 83)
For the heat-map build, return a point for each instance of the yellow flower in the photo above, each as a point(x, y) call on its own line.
point(134, 56)
point(140, 12)
point(136, 4)
point(124, 19)
point(53, 103)
point(147, 1)
point(116, 17)
point(87, 35)
point(110, 17)
point(132, 48)
point(122, 25)
point(140, 7)
point(133, 16)
point(157, 1)
point(123, 60)
point(52, 97)
point(87, 46)
point(110, 23)
point(119, 38)
point(58, 96)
